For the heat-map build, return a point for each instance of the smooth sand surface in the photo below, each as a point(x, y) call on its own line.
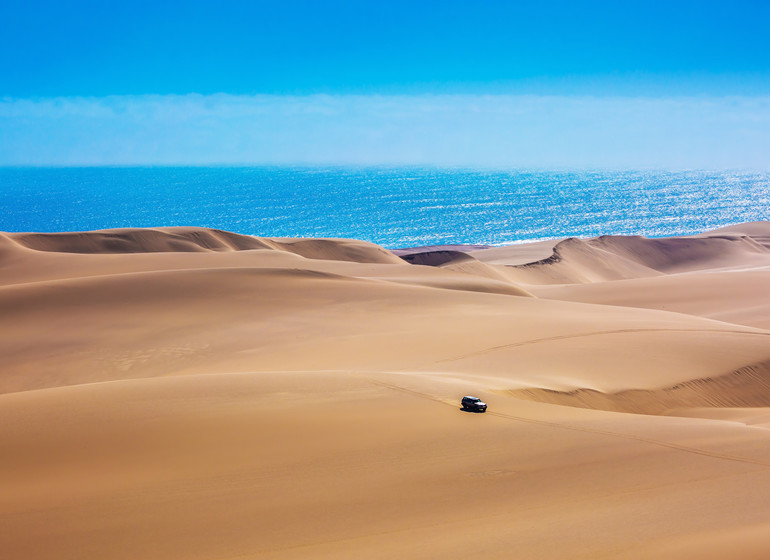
point(192, 393)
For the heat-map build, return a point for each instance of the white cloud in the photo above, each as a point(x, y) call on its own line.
point(465, 130)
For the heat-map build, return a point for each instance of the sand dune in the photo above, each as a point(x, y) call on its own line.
point(338, 250)
point(465, 263)
point(746, 387)
point(758, 231)
point(193, 393)
point(161, 240)
point(734, 297)
point(615, 258)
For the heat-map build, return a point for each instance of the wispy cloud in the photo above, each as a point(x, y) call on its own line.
point(466, 130)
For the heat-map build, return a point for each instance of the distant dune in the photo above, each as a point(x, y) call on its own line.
point(194, 393)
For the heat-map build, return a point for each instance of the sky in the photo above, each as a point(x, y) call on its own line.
point(502, 84)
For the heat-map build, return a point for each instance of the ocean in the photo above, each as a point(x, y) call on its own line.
point(393, 207)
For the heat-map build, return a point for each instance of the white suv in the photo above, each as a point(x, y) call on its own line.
point(474, 404)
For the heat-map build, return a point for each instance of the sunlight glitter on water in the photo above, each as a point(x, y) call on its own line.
point(394, 207)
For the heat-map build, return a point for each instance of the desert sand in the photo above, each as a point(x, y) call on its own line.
point(192, 393)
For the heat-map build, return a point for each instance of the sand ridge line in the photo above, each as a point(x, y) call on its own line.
point(745, 387)
point(643, 439)
point(169, 272)
point(165, 378)
point(589, 334)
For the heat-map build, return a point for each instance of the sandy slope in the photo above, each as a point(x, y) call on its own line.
point(191, 393)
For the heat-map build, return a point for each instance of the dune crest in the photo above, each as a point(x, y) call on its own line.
point(759, 231)
point(191, 239)
point(465, 263)
point(608, 258)
point(684, 254)
point(119, 241)
point(746, 387)
point(337, 250)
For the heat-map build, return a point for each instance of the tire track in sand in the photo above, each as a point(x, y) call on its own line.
point(531, 341)
point(584, 429)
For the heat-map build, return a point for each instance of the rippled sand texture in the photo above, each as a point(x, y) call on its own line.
point(192, 393)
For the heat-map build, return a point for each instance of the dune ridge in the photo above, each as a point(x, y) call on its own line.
point(746, 387)
point(609, 258)
point(193, 239)
point(159, 240)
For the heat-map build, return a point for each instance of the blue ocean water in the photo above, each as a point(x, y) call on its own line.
point(393, 207)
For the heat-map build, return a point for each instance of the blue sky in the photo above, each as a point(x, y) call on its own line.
point(602, 84)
